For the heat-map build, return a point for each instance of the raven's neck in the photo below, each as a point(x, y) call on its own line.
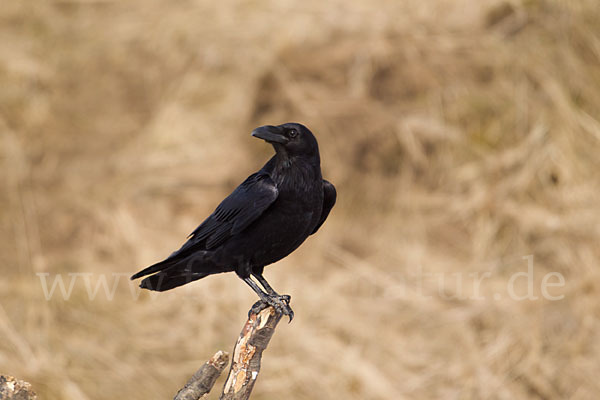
point(294, 173)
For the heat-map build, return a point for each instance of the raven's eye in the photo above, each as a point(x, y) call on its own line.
point(292, 133)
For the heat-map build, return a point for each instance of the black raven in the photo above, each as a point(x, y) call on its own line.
point(265, 218)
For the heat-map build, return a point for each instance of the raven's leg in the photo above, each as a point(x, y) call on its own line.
point(263, 296)
point(270, 291)
point(261, 279)
point(273, 299)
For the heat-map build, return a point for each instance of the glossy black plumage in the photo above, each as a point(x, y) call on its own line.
point(263, 220)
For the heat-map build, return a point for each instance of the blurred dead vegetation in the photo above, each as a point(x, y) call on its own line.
point(461, 135)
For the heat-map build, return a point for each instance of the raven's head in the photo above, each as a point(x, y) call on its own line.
point(289, 139)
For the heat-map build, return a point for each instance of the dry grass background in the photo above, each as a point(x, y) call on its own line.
point(461, 135)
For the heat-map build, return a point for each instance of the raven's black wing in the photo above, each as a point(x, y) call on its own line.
point(242, 207)
point(329, 196)
point(247, 202)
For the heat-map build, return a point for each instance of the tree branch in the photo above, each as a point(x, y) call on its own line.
point(247, 353)
point(245, 364)
point(11, 388)
point(204, 379)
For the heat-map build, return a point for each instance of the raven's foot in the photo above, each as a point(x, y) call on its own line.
point(281, 303)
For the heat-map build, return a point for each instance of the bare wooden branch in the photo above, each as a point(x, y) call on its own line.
point(245, 364)
point(247, 353)
point(14, 389)
point(204, 379)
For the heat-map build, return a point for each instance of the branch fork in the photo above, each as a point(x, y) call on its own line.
point(245, 364)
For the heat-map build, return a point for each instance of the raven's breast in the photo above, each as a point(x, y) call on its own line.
point(293, 223)
point(280, 230)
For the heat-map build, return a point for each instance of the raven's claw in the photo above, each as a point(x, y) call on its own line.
point(286, 298)
point(281, 303)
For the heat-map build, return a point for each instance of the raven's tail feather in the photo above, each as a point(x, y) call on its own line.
point(173, 260)
point(176, 271)
point(169, 280)
point(159, 266)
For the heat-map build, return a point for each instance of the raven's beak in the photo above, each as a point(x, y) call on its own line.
point(270, 134)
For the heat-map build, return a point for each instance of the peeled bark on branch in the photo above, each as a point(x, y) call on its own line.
point(245, 363)
point(14, 389)
point(204, 379)
point(247, 353)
